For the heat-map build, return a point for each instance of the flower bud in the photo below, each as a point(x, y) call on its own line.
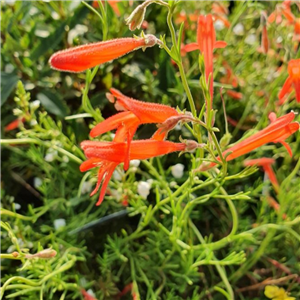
point(177, 170)
point(46, 253)
point(136, 18)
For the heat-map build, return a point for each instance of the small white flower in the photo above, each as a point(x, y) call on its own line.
point(55, 15)
point(33, 122)
point(90, 291)
point(238, 29)
point(42, 33)
point(58, 223)
point(37, 182)
point(8, 68)
point(219, 25)
point(76, 31)
point(135, 163)
point(10, 2)
point(117, 175)
point(65, 159)
point(51, 154)
point(279, 40)
point(49, 157)
point(144, 189)
point(17, 112)
point(177, 170)
point(17, 206)
point(35, 104)
point(86, 187)
point(250, 39)
point(173, 184)
point(83, 282)
point(116, 194)
point(150, 181)
point(10, 249)
point(33, 10)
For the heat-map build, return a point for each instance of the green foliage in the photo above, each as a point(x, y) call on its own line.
point(205, 235)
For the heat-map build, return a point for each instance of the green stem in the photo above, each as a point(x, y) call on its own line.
point(219, 268)
point(256, 256)
point(4, 211)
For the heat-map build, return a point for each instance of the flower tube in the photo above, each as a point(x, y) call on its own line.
point(206, 40)
point(279, 130)
point(107, 156)
point(81, 58)
point(135, 113)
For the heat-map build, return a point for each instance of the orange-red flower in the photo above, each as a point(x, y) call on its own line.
point(14, 124)
point(220, 12)
point(112, 3)
point(296, 36)
point(81, 58)
point(266, 163)
point(277, 132)
point(264, 36)
point(282, 9)
point(107, 155)
point(135, 113)
point(140, 149)
point(206, 41)
point(234, 94)
point(273, 203)
point(292, 80)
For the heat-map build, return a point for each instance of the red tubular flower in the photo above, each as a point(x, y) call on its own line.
point(292, 80)
point(81, 58)
point(136, 113)
point(206, 38)
point(145, 111)
point(107, 155)
point(273, 203)
point(234, 94)
point(296, 36)
point(220, 12)
point(276, 132)
point(140, 149)
point(264, 40)
point(282, 9)
point(112, 3)
point(266, 163)
point(14, 124)
point(279, 130)
point(206, 41)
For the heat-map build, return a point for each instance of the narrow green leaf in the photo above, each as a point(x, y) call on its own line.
point(53, 103)
point(8, 83)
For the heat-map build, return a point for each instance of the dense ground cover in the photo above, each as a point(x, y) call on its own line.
point(220, 222)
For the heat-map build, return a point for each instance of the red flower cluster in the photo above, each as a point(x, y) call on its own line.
point(108, 155)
